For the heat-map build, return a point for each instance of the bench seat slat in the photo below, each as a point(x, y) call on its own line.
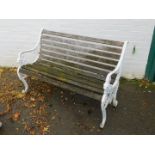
point(71, 72)
point(58, 74)
point(72, 69)
point(67, 86)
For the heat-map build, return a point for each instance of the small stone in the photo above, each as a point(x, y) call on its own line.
point(53, 118)
point(48, 90)
point(98, 130)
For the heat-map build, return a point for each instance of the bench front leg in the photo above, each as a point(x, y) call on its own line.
point(22, 78)
point(106, 99)
point(24, 60)
point(115, 90)
point(109, 96)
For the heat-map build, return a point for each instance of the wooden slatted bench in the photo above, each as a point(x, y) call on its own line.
point(85, 65)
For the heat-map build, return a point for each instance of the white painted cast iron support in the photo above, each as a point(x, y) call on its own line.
point(110, 90)
point(22, 60)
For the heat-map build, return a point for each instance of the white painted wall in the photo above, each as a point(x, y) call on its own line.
point(19, 35)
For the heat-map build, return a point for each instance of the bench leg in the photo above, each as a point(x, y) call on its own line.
point(114, 101)
point(22, 78)
point(104, 103)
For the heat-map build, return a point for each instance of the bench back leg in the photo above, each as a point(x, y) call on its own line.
point(22, 78)
point(115, 89)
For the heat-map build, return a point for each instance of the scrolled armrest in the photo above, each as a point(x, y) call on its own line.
point(118, 68)
point(22, 56)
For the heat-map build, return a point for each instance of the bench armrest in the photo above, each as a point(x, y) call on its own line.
point(118, 69)
point(29, 56)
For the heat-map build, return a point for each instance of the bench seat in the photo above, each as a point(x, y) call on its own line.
point(68, 79)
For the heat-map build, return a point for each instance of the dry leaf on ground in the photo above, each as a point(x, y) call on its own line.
point(16, 116)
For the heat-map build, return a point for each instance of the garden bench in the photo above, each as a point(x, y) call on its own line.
point(85, 65)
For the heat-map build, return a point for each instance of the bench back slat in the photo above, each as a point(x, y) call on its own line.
point(83, 38)
point(79, 49)
point(81, 59)
point(92, 56)
point(80, 45)
point(76, 64)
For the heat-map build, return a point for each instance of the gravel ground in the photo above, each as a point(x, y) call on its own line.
point(50, 110)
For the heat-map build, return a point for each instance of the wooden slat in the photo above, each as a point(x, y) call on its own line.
point(100, 57)
point(80, 48)
point(71, 72)
point(74, 42)
point(89, 39)
point(58, 74)
point(61, 84)
point(75, 58)
point(76, 64)
point(72, 69)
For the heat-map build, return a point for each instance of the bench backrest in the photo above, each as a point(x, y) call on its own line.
point(91, 55)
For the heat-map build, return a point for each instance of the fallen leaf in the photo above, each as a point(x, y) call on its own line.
point(1, 71)
point(32, 99)
point(45, 129)
point(20, 95)
point(8, 108)
point(32, 131)
point(16, 116)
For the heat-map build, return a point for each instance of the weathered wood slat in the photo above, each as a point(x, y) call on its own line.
point(76, 64)
point(80, 48)
point(72, 72)
point(78, 59)
point(109, 59)
point(67, 86)
point(89, 39)
point(62, 76)
point(72, 69)
point(74, 42)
